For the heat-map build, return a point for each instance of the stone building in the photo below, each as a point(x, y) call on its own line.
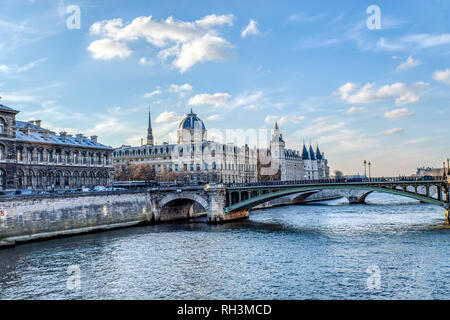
point(34, 158)
point(279, 163)
point(194, 157)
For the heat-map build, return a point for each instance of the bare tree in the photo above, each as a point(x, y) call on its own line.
point(134, 172)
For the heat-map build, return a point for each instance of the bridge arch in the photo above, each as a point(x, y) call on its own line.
point(264, 197)
point(178, 206)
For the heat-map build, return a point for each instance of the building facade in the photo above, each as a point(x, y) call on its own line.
point(193, 157)
point(280, 163)
point(34, 158)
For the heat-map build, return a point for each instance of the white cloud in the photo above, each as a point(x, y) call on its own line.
point(214, 117)
point(368, 93)
point(421, 41)
point(428, 40)
point(335, 137)
point(392, 131)
point(399, 113)
point(250, 29)
point(151, 94)
point(297, 119)
point(217, 99)
point(146, 62)
point(20, 69)
point(386, 45)
point(180, 88)
point(442, 76)
point(107, 49)
point(18, 98)
point(188, 43)
point(252, 107)
point(409, 63)
point(354, 110)
point(167, 116)
point(270, 119)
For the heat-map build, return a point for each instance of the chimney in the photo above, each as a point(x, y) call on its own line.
point(94, 138)
point(63, 135)
point(38, 123)
point(79, 136)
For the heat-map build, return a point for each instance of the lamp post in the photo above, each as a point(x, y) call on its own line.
point(448, 166)
point(370, 175)
point(445, 172)
point(365, 168)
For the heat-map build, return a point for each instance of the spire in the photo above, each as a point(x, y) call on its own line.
point(149, 130)
point(318, 153)
point(305, 155)
point(311, 152)
point(276, 126)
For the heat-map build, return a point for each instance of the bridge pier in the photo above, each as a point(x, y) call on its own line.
point(217, 198)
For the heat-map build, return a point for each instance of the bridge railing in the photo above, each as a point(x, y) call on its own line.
point(336, 181)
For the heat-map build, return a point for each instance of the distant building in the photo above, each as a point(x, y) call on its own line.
point(193, 158)
point(291, 164)
point(35, 158)
point(427, 171)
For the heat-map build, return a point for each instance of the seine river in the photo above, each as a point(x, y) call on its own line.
point(387, 250)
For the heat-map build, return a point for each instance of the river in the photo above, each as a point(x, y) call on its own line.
point(390, 249)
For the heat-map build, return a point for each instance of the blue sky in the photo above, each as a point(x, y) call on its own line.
point(377, 94)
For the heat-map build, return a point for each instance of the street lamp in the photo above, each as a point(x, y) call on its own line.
point(365, 168)
point(448, 167)
point(370, 175)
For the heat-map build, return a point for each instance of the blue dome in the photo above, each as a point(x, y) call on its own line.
point(191, 122)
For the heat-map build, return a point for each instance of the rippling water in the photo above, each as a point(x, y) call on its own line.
point(295, 252)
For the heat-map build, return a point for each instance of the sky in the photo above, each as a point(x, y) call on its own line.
point(366, 83)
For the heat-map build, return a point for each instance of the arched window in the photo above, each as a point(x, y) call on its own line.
point(2, 179)
point(105, 178)
point(30, 178)
point(2, 153)
point(58, 179)
point(40, 179)
point(40, 156)
point(66, 179)
point(2, 126)
point(20, 179)
point(76, 179)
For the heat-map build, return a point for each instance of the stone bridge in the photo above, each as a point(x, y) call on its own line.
point(223, 203)
point(26, 218)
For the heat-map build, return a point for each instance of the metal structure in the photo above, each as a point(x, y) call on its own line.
point(247, 196)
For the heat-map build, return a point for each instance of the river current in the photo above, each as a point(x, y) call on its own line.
point(390, 249)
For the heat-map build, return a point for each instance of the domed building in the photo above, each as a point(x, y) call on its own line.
point(191, 129)
point(193, 158)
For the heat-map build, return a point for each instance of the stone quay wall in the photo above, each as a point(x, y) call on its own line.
point(28, 218)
